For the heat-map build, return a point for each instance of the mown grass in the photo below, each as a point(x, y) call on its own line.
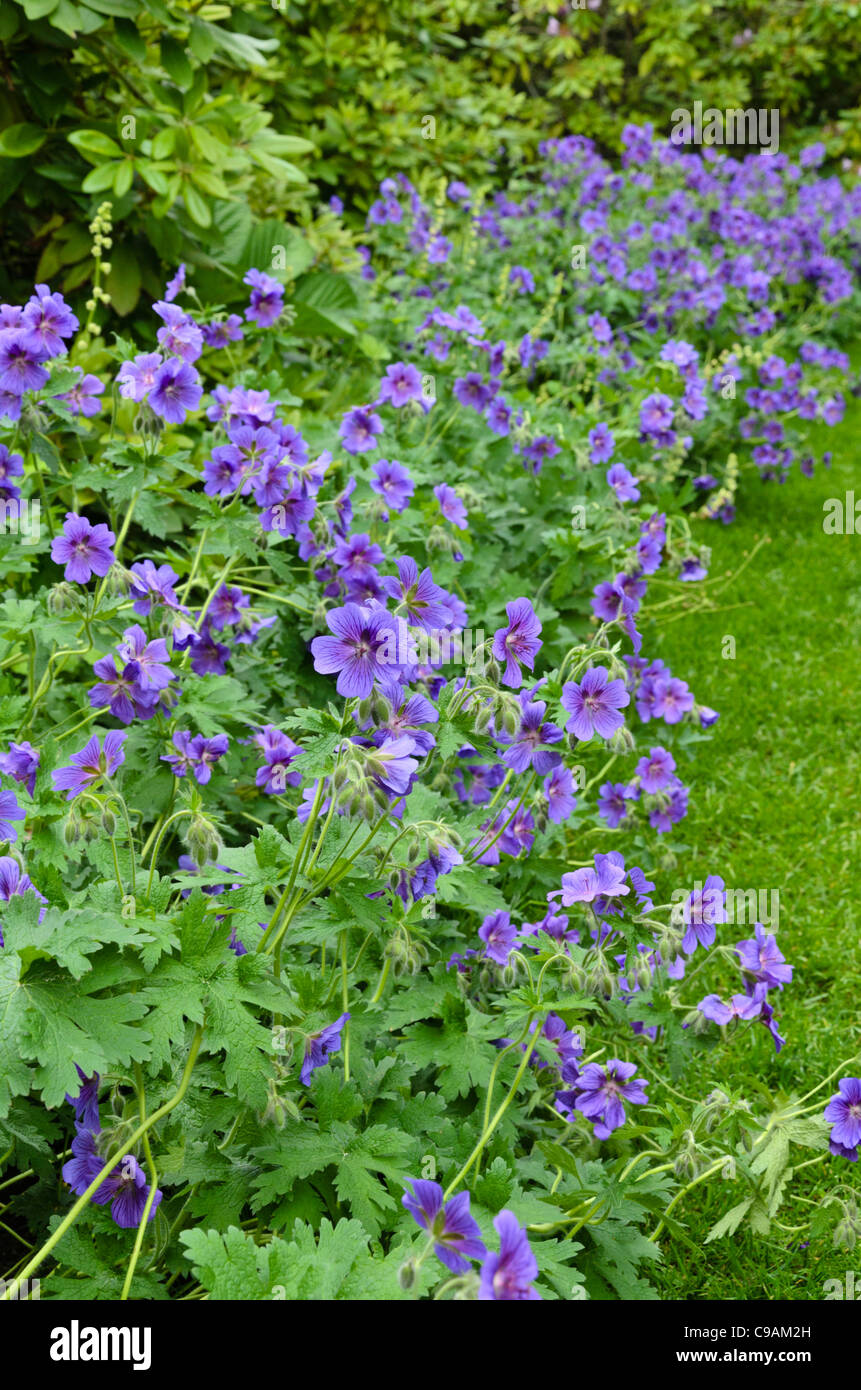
point(774, 805)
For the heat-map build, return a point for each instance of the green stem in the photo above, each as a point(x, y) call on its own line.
point(69, 1220)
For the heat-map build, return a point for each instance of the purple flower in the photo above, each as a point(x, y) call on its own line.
point(518, 641)
point(612, 799)
point(90, 765)
point(457, 1238)
point(175, 390)
point(401, 383)
point(364, 648)
point(450, 505)
point(359, 430)
point(279, 752)
point(559, 790)
point(267, 298)
point(11, 465)
point(594, 704)
point(762, 960)
point(86, 1102)
point(176, 285)
point(120, 691)
point(83, 399)
point(602, 1091)
point(84, 549)
point(196, 754)
point(149, 585)
point(149, 659)
point(14, 883)
point(623, 483)
point(22, 763)
point(844, 1112)
point(701, 912)
point(528, 749)
point(499, 935)
point(130, 1194)
point(46, 321)
point(137, 378)
point(656, 771)
point(423, 600)
point(507, 1277)
point(9, 811)
point(393, 483)
point(181, 336)
point(603, 444)
point(606, 880)
point(744, 1006)
point(671, 699)
point(20, 364)
point(319, 1045)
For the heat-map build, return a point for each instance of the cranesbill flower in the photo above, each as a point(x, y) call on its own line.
point(9, 811)
point(762, 960)
point(279, 752)
point(84, 549)
point(423, 600)
point(20, 364)
point(559, 790)
point(603, 444)
point(22, 763)
point(499, 935)
point(527, 749)
point(90, 765)
point(11, 465)
point(671, 699)
point(844, 1112)
point(181, 336)
point(612, 802)
point(401, 383)
point(450, 505)
point(356, 556)
point(83, 399)
point(149, 585)
point(655, 771)
point(456, 1234)
point(86, 1102)
point(120, 692)
point(359, 429)
point(393, 483)
point(196, 754)
point(136, 379)
point(606, 880)
point(603, 1089)
point(744, 1006)
point(623, 483)
point(130, 1194)
point(175, 390)
point(149, 659)
point(391, 766)
point(364, 648)
point(518, 641)
point(507, 1277)
point(267, 298)
point(701, 912)
point(594, 704)
point(46, 321)
point(319, 1045)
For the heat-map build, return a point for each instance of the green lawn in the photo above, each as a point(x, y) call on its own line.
point(774, 805)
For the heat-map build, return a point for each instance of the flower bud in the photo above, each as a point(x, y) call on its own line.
point(407, 1274)
point(61, 598)
point(109, 821)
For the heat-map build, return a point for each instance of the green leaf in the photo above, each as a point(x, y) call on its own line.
point(175, 63)
point(94, 143)
point(730, 1221)
point(17, 141)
